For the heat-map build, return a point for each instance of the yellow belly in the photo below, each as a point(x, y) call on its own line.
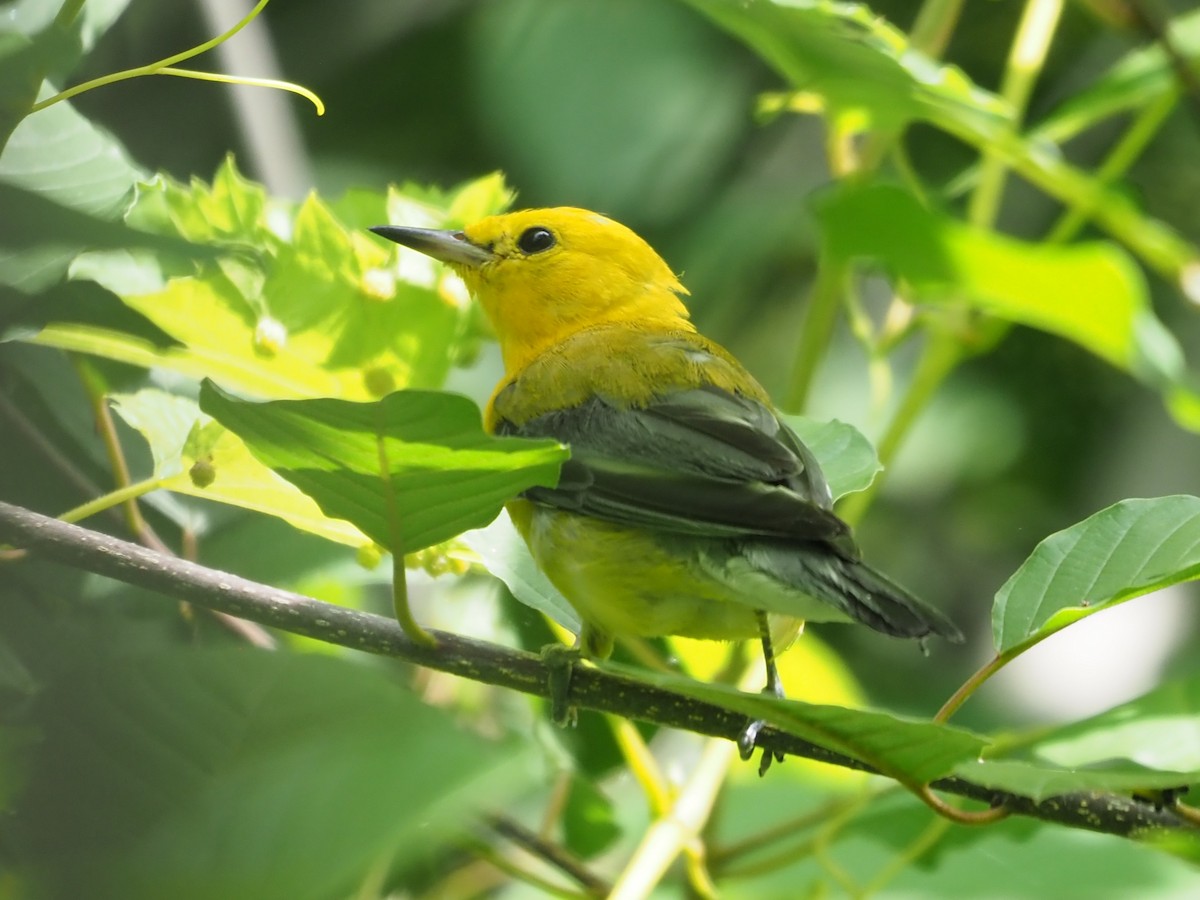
point(623, 581)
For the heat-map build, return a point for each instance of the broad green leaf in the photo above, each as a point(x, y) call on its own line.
point(852, 63)
point(237, 478)
point(505, 555)
point(198, 774)
point(1090, 293)
point(196, 456)
point(410, 470)
point(1159, 730)
point(297, 305)
point(913, 752)
point(66, 161)
point(847, 459)
point(1127, 550)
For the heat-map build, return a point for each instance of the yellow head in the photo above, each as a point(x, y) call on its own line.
point(543, 274)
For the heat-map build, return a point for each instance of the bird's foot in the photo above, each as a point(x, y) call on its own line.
point(560, 664)
point(748, 742)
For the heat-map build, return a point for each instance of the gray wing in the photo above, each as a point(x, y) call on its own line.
point(702, 461)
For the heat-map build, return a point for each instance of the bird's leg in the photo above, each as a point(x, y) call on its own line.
point(560, 664)
point(774, 687)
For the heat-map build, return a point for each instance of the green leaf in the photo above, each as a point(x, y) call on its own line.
point(506, 556)
point(1127, 550)
point(198, 774)
point(410, 470)
point(1041, 780)
point(847, 459)
point(841, 59)
point(854, 62)
point(1156, 731)
point(70, 164)
point(912, 751)
point(589, 820)
point(1090, 293)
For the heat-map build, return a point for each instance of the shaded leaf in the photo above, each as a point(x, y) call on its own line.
point(505, 555)
point(1129, 549)
point(912, 751)
point(443, 476)
point(847, 459)
point(215, 774)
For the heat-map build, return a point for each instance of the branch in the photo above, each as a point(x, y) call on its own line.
point(590, 688)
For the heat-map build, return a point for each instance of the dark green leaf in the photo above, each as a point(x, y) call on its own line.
point(913, 752)
point(1129, 549)
point(217, 774)
point(444, 475)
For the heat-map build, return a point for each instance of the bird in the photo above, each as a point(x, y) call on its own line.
point(688, 506)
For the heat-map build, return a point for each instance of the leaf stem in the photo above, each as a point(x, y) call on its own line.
point(1123, 155)
point(1026, 58)
point(125, 494)
point(400, 604)
point(824, 300)
point(968, 687)
point(960, 816)
point(939, 358)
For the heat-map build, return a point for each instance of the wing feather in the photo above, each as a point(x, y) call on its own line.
point(700, 461)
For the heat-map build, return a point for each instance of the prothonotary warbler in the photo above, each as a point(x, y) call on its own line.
point(687, 507)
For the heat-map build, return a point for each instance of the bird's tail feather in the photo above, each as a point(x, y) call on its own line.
point(859, 591)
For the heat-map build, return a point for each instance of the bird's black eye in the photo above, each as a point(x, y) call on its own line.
point(536, 239)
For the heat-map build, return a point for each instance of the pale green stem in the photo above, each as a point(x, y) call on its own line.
point(247, 81)
point(1025, 62)
point(1123, 155)
point(934, 24)
point(112, 498)
point(156, 68)
point(400, 604)
point(816, 333)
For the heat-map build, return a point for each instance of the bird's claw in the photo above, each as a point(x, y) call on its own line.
point(747, 742)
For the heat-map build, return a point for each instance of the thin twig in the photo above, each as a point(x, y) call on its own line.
point(590, 688)
point(549, 853)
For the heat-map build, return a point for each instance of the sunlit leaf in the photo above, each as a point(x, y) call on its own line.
point(410, 470)
point(1090, 293)
point(1129, 549)
point(297, 305)
point(847, 459)
point(852, 63)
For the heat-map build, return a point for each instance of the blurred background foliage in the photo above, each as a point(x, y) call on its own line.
point(645, 110)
